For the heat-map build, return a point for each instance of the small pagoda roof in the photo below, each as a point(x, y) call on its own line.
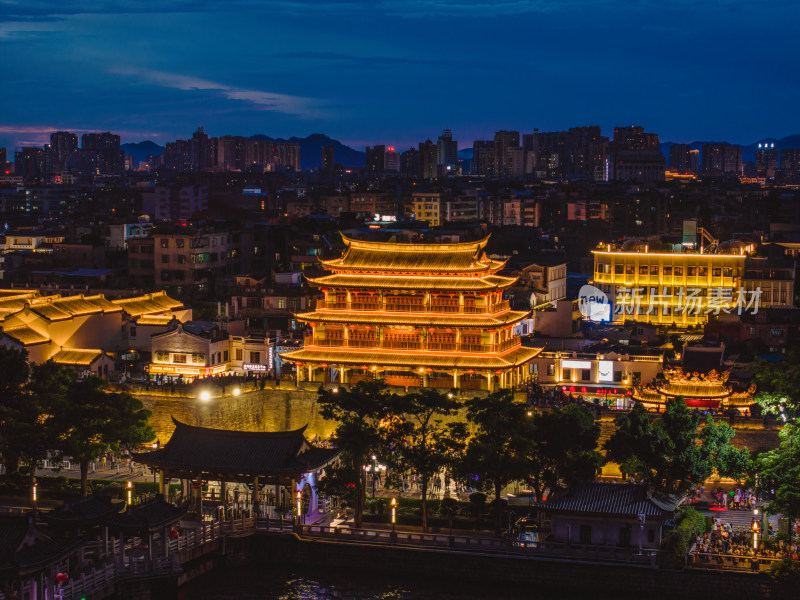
point(229, 453)
point(418, 320)
point(418, 282)
point(413, 359)
point(364, 256)
point(150, 515)
point(613, 499)
point(25, 548)
point(86, 511)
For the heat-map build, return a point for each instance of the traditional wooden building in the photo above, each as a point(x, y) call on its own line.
point(197, 455)
point(413, 315)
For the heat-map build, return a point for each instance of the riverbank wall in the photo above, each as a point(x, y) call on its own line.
point(538, 574)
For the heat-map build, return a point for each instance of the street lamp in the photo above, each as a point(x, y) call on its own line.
point(641, 531)
point(394, 513)
point(236, 391)
point(756, 526)
point(299, 505)
point(375, 468)
point(130, 492)
point(205, 396)
point(33, 493)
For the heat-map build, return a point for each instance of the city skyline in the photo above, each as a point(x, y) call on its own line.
point(381, 72)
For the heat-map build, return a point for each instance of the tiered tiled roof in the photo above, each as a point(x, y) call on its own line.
point(372, 281)
point(413, 358)
point(416, 319)
point(375, 257)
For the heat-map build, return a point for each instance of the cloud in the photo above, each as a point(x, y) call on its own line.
point(261, 100)
point(19, 9)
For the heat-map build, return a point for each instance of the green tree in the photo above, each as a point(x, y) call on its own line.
point(27, 414)
point(778, 385)
point(779, 474)
point(497, 453)
point(16, 414)
point(563, 449)
point(675, 451)
point(94, 421)
point(419, 440)
point(359, 411)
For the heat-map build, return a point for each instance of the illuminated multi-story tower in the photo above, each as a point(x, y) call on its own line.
point(428, 315)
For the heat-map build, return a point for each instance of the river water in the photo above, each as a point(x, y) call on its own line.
point(251, 582)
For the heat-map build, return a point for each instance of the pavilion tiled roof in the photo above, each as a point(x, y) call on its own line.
point(149, 304)
point(414, 358)
point(363, 256)
point(393, 282)
point(85, 511)
point(223, 451)
point(612, 499)
point(155, 319)
point(23, 547)
point(55, 308)
point(153, 514)
point(416, 319)
point(26, 335)
point(76, 356)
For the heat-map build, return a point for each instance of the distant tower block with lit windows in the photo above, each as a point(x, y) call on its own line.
point(429, 315)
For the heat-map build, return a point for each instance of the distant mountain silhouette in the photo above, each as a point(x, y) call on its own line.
point(141, 150)
point(310, 150)
point(748, 151)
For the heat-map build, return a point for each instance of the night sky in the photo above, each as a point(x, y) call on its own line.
point(397, 72)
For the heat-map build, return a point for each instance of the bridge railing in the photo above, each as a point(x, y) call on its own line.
point(730, 562)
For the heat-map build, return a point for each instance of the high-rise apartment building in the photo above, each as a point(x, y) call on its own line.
point(63, 144)
point(483, 158)
point(428, 155)
point(447, 149)
point(766, 159)
point(200, 151)
point(790, 160)
point(635, 156)
point(679, 158)
point(722, 159)
point(409, 163)
point(107, 147)
point(391, 160)
point(29, 163)
point(374, 158)
point(327, 159)
point(506, 159)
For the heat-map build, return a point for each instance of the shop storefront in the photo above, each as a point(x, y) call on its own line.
point(183, 373)
point(618, 398)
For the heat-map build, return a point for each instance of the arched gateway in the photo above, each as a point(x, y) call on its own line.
point(195, 455)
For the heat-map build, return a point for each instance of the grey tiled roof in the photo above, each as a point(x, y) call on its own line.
point(618, 499)
point(224, 451)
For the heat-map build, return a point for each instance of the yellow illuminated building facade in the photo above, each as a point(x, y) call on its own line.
point(429, 315)
point(671, 288)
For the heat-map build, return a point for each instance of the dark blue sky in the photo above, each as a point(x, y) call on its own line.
point(398, 71)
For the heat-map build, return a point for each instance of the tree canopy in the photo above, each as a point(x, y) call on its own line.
point(677, 450)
